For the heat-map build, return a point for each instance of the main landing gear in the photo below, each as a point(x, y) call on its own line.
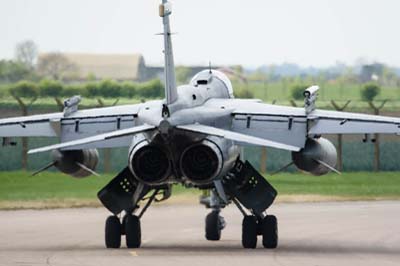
point(130, 227)
point(123, 194)
point(252, 194)
point(252, 227)
point(267, 227)
point(243, 186)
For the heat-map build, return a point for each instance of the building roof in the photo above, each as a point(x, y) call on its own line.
point(104, 66)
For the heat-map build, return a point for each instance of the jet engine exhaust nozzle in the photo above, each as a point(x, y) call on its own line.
point(201, 162)
point(150, 164)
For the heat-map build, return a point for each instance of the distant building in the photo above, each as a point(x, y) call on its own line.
point(372, 72)
point(103, 66)
point(120, 67)
point(109, 66)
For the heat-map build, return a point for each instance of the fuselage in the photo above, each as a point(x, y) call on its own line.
point(200, 151)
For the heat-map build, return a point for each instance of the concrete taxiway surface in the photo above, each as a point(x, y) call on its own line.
point(345, 233)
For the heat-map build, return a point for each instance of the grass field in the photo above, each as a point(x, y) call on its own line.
point(281, 91)
point(48, 190)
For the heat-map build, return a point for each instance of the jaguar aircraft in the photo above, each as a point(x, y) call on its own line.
point(192, 137)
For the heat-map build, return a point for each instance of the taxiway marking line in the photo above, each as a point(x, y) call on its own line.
point(133, 253)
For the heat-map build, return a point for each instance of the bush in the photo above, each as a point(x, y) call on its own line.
point(24, 89)
point(109, 89)
point(91, 89)
point(50, 88)
point(128, 89)
point(11, 71)
point(151, 89)
point(370, 91)
point(72, 90)
point(4, 90)
point(244, 93)
point(297, 91)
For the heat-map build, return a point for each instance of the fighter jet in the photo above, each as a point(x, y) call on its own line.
point(193, 138)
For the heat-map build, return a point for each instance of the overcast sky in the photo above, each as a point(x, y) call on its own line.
point(247, 32)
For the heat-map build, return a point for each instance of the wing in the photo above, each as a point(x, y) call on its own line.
point(30, 126)
point(286, 125)
point(331, 122)
point(79, 124)
point(291, 126)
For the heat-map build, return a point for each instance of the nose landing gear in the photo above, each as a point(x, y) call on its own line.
point(214, 225)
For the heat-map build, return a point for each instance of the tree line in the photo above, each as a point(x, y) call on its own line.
point(105, 89)
point(368, 92)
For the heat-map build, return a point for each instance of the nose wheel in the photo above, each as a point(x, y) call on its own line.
point(214, 225)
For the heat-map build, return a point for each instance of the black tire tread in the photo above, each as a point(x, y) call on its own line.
point(133, 233)
point(270, 232)
point(213, 231)
point(249, 232)
point(113, 232)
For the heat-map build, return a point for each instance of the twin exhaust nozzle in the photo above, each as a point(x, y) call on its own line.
point(199, 164)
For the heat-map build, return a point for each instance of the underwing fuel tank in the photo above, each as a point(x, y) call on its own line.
point(77, 163)
point(316, 156)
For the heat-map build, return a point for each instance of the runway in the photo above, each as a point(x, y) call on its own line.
point(342, 233)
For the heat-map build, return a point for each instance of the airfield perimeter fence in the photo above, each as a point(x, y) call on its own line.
point(357, 155)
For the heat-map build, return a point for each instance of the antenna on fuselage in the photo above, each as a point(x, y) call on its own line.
point(209, 67)
point(171, 93)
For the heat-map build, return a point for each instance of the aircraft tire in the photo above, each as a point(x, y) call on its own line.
point(270, 232)
point(213, 227)
point(249, 232)
point(133, 232)
point(113, 232)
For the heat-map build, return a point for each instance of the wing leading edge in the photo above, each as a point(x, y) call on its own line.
point(213, 131)
point(94, 140)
